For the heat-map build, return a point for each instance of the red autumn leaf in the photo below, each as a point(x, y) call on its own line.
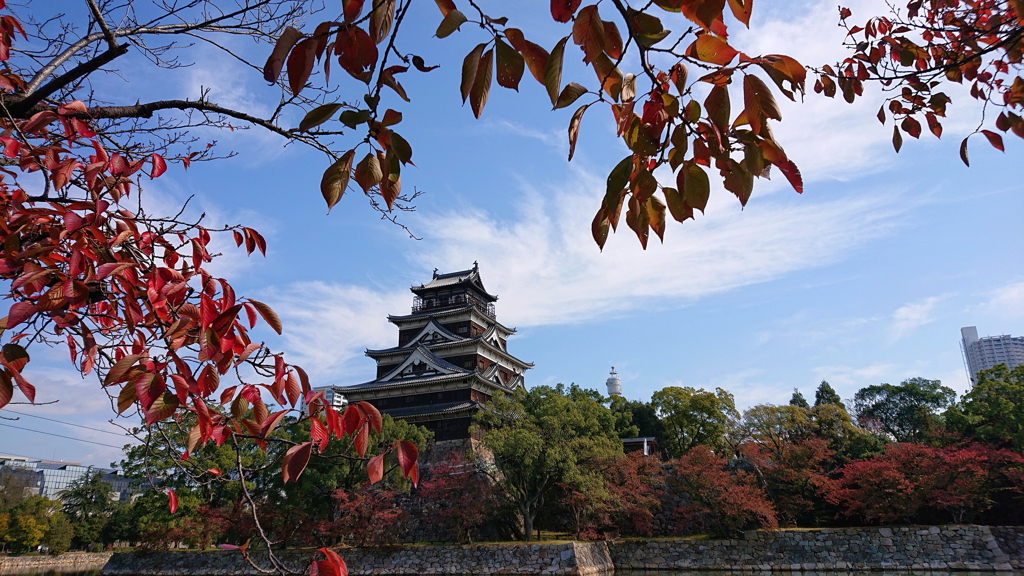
point(994, 139)
point(20, 312)
point(362, 440)
point(712, 49)
point(372, 414)
point(172, 501)
point(272, 69)
point(28, 390)
point(318, 434)
point(300, 64)
point(271, 422)
point(268, 314)
point(6, 388)
point(295, 461)
point(336, 563)
point(408, 456)
point(562, 10)
point(375, 468)
point(159, 166)
point(352, 9)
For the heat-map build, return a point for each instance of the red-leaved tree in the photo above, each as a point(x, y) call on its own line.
point(717, 500)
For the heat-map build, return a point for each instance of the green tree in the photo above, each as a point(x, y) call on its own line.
point(904, 413)
point(542, 438)
point(798, 399)
point(826, 395)
point(29, 522)
point(992, 411)
point(642, 415)
point(88, 505)
point(58, 535)
point(694, 417)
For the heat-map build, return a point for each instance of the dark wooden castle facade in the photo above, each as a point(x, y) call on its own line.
point(451, 358)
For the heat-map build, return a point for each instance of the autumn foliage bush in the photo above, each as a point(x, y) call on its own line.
point(458, 498)
point(717, 500)
point(913, 482)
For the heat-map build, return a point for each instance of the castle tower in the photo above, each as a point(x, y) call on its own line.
point(614, 384)
point(451, 357)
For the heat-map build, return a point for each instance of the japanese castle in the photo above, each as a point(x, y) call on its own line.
point(451, 357)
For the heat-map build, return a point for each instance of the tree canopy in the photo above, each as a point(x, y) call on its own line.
point(694, 417)
point(543, 437)
point(905, 412)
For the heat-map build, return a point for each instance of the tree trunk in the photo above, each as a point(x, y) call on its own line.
point(528, 527)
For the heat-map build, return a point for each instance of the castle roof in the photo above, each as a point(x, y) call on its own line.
point(469, 278)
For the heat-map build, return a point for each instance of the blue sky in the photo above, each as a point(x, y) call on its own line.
point(865, 278)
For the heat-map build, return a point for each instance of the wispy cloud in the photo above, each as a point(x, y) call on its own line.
point(328, 326)
point(548, 271)
point(913, 315)
point(1007, 300)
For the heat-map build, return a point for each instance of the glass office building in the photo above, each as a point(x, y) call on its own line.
point(49, 478)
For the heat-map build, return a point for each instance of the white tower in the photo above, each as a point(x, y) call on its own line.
point(614, 384)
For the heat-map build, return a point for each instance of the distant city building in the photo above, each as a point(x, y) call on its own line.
point(49, 478)
point(614, 384)
point(451, 358)
point(984, 353)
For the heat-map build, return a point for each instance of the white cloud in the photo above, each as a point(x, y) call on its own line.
point(1007, 301)
point(913, 315)
point(328, 326)
point(548, 271)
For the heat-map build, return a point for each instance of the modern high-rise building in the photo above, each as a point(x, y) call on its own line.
point(984, 353)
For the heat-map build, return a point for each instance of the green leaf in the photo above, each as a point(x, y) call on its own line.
point(318, 116)
point(694, 185)
point(570, 94)
point(335, 179)
point(553, 71)
point(450, 23)
point(510, 65)
point(617, 180)
point(353, 118)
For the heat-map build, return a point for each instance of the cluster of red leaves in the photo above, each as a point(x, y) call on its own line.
point(660, 128)
point(974, 41)
point(631, 491)
point(718, 500)
point(368, 517)
point(459, 498)
point(910, 479)
point(130, 296)
point(354, 43)
point(793, 472)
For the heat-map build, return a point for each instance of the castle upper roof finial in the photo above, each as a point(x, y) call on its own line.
point(435, 272)
point(476, 265)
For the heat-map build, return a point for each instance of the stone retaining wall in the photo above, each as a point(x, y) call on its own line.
point(897, 548)
point(975, 548)
point(1011, 542)
point(575, 558)
point(72, 562)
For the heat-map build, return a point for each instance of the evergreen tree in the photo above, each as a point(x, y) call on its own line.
point(827, 395)
point(798, 399)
